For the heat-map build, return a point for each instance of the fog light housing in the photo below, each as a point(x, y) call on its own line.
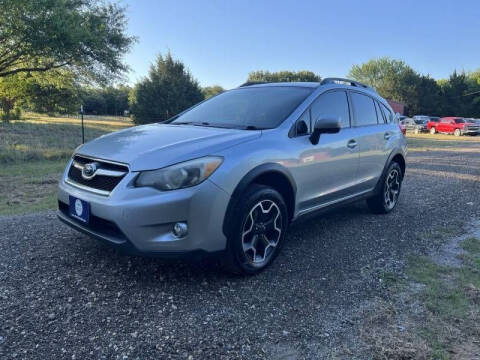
point(180, 229)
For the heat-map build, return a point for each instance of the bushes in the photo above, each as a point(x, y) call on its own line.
point(14, 114)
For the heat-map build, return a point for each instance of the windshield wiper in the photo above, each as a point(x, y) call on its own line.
point(252, 127)
point(195, 123)
point(219, 125)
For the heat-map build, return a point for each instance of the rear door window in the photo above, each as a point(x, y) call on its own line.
point(363, 109)
point(388, 114)
point(380, 118)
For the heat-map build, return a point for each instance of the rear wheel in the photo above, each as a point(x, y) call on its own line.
point(457, 132)
point(387, 197)
point(432, 130)
point(257, 232)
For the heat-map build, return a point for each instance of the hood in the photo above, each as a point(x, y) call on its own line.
point(155, 146)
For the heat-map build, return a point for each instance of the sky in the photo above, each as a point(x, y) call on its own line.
point(221, 42)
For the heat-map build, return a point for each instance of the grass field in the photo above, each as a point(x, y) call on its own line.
point(33, 154)
point(437, 305)
point(427, 142)
point(34, 151)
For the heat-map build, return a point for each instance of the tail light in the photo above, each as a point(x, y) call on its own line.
point(403, 129)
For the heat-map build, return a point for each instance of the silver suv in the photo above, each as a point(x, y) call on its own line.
point(229, 175)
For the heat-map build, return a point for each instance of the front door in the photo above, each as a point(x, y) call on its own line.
point(327, 171)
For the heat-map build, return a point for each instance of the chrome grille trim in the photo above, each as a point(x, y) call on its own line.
point(86, 188)
point(104, 179)
point(104, 172)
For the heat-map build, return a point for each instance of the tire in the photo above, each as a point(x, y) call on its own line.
point(387, 197)
point(258, 231)
point(433, 130)
point(457, 132)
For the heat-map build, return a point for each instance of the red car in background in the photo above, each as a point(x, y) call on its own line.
point(453, 125)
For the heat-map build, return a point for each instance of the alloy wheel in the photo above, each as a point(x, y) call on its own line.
point(392, 189)
point(261, 232)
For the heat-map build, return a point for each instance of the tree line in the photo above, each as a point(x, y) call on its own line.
point(56, 55)
point(458, 95)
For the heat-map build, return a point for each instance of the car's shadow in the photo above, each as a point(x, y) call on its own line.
point(305, 245)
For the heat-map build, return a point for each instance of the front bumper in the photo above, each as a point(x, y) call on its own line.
point(140, 220)
point(471, 131)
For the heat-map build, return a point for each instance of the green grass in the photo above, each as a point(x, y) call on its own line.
point(432, 311)
point(29, 186)
point(425, 142)
point(451, 297)
point(39, 138)
point(33, 155)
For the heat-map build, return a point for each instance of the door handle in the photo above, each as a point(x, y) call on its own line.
point(387, 135)
point(352, 144)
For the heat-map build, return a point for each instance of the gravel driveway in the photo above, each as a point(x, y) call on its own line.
point(64, 295)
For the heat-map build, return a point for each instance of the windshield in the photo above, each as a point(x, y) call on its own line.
point(254, 107)
point(420, 122)
point(459, 121)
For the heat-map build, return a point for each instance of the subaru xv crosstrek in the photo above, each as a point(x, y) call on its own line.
point(227, 176)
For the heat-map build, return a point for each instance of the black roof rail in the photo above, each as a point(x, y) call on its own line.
point(248, 83)
point(347, 81)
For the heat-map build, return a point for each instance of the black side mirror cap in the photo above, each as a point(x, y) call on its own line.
point(324, 125)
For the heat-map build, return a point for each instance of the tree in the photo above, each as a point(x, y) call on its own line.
point(210, 91)
point(282, 76)
point(54, 91)
point(395, 80)
point(106, 101)
point(383, 75)
point(86, 36)
point(168, 89)
point(453, 91)
point(12, 89)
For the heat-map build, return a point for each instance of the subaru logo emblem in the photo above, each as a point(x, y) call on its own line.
point(89, 170)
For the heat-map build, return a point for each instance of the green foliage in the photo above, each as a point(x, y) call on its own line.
point(54, 91)
point(283, 76)
point(168, 89)
point(12, 89)
point(461, 95)
point(210, 91)
point(395, 80)
point(87, 36)
point(106, 101)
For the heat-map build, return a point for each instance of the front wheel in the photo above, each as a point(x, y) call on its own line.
point(387, 197)
point(257, 232)
point(433, 130)
point(457, 132)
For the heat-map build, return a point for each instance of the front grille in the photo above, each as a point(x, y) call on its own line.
point(472, 128)
point(105, 183)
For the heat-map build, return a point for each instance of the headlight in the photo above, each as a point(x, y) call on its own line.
point(182, 175)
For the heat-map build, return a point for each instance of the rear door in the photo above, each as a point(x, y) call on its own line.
point(373, 133)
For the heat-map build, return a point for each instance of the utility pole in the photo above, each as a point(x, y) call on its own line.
point(83, 131)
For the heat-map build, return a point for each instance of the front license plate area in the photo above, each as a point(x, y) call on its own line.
point(79, 209)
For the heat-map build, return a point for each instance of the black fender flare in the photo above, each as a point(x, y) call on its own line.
point(246, 181)
point(378, 186)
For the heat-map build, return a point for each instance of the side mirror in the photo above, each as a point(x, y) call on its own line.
point(324, 125)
